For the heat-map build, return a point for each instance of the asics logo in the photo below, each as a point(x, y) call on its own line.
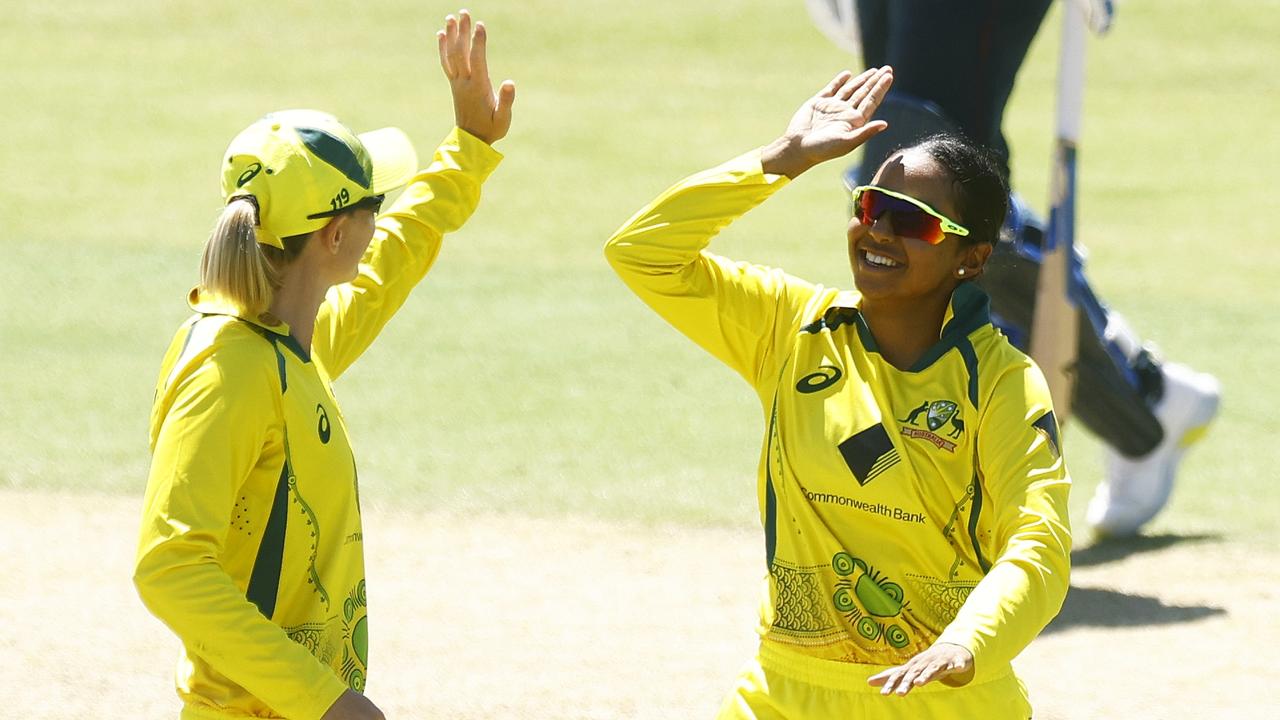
point(250, 173)
point(823, 378)
point(322, 427)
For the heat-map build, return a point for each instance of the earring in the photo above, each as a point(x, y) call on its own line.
point(960, 272)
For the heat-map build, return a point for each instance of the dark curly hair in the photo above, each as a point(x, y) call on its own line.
point(982, 192)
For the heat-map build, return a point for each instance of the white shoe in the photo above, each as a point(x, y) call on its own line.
point(1136, 489)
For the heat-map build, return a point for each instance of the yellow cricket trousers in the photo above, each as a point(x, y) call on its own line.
point(781, 684)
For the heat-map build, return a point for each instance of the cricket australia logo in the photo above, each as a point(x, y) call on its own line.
point(937, 413)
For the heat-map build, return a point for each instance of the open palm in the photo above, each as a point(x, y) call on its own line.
point(464, 59)
point(837, 120)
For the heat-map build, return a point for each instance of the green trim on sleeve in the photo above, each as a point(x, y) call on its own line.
point(974, 512)
point(770, 496)
point(971, 368)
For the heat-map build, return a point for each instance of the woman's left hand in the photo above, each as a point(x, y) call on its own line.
point(952, 664)
point(476, 107)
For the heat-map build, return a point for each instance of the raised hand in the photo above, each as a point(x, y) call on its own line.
point(476, 107)
point(830, 124)
point(952, 664)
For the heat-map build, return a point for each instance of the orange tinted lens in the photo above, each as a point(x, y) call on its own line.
point(865, 203)
point(907, 219)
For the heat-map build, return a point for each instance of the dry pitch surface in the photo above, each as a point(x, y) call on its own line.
point(507, 617)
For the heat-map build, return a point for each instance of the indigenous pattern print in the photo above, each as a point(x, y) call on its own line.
point(801, 605)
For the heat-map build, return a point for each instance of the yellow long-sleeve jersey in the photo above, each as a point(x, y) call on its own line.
point(251, 547)
point(899, 507)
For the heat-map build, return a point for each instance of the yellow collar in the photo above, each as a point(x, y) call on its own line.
point(213, 305)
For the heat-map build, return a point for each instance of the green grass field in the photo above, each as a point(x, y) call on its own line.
point(522, 376)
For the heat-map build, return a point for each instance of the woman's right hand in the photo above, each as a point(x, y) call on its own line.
point(830, 124)
point(351, 705)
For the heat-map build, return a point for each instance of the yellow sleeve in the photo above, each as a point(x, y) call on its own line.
point(405, 244)
point(207, 444)
point(736, 311)
point(1025, 479)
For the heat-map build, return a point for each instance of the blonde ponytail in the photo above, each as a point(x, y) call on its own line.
point(238, 270)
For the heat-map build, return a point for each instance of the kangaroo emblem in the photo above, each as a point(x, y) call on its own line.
point(911, 419)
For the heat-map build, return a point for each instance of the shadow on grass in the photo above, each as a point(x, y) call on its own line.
point(1100, 607)
point(1113, 549)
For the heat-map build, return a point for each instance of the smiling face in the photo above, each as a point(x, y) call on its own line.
point(890, 267)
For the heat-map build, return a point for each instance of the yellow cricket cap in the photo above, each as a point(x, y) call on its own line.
point(302, 167)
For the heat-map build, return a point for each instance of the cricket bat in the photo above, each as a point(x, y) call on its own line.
point(1055, 324)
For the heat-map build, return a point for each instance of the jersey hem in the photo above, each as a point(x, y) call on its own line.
point(851, 677)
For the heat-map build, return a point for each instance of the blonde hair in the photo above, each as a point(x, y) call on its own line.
point(237, 269)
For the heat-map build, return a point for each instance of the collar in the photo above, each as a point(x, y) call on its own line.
point(266, 324)
point(968, 310)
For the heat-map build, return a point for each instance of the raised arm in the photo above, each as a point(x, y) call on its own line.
point(437, 201)
point(736, 311)
point(733, 310)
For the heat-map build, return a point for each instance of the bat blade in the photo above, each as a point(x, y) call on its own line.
point(1056, 320)
point(1055, 325)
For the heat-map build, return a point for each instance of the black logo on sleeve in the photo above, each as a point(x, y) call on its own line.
point(825, 377)
point(1047, 426)
point(322, 427)
point(869, 453)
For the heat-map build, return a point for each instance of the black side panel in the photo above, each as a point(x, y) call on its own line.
point(264, 582)
point(1048, 425)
